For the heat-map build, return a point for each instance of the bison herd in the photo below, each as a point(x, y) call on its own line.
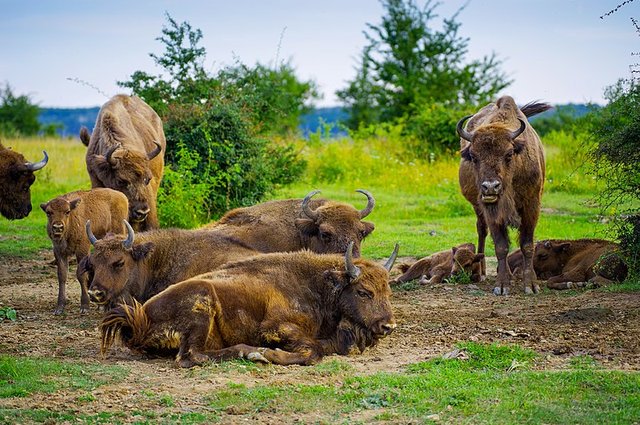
point(281, 281)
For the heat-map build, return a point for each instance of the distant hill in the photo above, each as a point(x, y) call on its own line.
point(71, 119)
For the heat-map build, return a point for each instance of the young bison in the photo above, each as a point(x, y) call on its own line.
point(567, 264)
point(66, 218)
point(284, 308)
point(441, 265)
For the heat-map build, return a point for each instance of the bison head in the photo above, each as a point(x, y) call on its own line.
point(58, 211)
point(364, 298)
point(114, 265)
point(332, 226)
point(493, 150)
point(465, 260)
point(128, 171)
point(550, 257)
point(16, 178)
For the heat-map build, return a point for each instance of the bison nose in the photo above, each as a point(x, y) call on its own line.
point(387, 328)
point(97, 295)
point(141, 213)
point(491, 187)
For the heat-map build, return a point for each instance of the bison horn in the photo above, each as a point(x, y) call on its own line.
point(109, 153)
point(35, 166)
point(462, 132)
point(519, 131)
point(90, 235)
point(370, 203)
point(128, 243)
point(352, 270)
point(392, 258)
point(155, 152)
point(305, 205)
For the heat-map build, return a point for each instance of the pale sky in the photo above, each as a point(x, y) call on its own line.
point(557, 51)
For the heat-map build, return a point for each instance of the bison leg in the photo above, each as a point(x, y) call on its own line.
point(501, 242)
point(566, 285)
point(529, 280)
point(62, 263)
point(83, 278)
point(416, 271)
point(481, 228)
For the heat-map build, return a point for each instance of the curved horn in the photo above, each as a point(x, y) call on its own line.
point(35, 166)
point(352, 270)
point(371, 202)
point(90, 235)
point(392, 258)
point(128, 243)
point(155, 152)
point(462, 132)
point(305, 205)
point(519, 131)
point(109, 153)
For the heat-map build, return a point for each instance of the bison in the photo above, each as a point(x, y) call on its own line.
point(320, 225)
point(458, 260)
point(501, 174)
point(284, 308)
point(66, 218)
point(569, 264)
point(139, 266)
point(125, 152)
point(16, 178)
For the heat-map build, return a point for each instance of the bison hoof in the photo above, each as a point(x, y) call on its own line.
point(84, 309)
point(58, 311)
point(256, 357)
point(500, 291)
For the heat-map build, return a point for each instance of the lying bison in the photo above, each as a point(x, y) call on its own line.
point(66, 218)
point(126, 153)
point(437, 267)
point(319, 225)
point(566, 264)
point(284, 308)
point(139, 266)
point(16, 178)
point(502, 174)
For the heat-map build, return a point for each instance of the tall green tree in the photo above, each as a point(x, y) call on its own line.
point(18, 114)
point(408, 63)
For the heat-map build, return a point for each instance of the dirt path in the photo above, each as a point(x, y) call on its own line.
point(431, 321)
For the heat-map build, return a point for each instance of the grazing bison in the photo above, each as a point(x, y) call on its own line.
point(16, 177)
point(502, 175)
point(441, 265)
point(142, 265)
point(66, 218)
point(318, 225)
point(126, 153)
point(569, 264)
point(284, 308)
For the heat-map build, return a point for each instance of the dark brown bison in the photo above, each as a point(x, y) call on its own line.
point(141, 265)
point(502, 175)
point(66, 217)
point(441, 265)
point(318, 225)
point(284, 308)
point(16, 178)
point(566, 264)
point(126, 153)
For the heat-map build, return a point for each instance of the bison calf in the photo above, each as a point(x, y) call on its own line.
point(441, 265)
point(66, 218)
point(16, 178)
point(284, 308)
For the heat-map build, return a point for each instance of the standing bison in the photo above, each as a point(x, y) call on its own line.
point(66, 218)
point(319, 225)
point(126, 153)
point(284, 308)
point(502, 175)
point(16, 178)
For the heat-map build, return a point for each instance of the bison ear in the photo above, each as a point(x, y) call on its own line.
point(464, 153)
point(338, 279)
point(73, 204)
point(518, 146)
point(454, 249)
point(139, 252)
point(306, 226)
point(562, 247)
point(100, 165)
point(44, 206)
point(368, 228)
point(478, 257)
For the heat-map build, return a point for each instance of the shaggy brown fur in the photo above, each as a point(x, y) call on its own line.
point(66, 218)
point(157, 259)
point(502, 175)
point(126, 153)
point(284, 308)
point(569, 264)
point(16, 178)
point(441, 265)
point(281, 226)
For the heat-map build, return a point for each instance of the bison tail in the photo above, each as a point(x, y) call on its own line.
point(84, 136)
point(128, 323)
point(535, 108)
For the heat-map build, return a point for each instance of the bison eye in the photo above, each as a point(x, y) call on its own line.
point(543, 256)
point(508, 157)
point(364, 294)
point(147, 180)
point(325, 236)
point(118, 264)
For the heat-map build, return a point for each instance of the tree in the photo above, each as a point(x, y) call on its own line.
point(18, 115)
point(407, 63)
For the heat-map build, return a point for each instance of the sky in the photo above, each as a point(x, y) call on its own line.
point(71, 53)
